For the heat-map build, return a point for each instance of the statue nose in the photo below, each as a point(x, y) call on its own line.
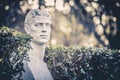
point(44, 28)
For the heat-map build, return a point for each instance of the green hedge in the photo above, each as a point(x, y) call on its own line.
point(65, 63)
point(83, 63)
point(13, 48)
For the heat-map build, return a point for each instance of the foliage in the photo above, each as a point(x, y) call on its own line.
point(88, 19)
point(83, 63)
point(13, 48)
point(105, 15)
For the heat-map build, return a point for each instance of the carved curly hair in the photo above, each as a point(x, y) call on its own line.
point(36, 12)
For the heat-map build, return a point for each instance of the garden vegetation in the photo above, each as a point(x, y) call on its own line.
point(65, 63)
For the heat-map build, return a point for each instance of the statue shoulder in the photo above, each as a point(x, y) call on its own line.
point(27, 75)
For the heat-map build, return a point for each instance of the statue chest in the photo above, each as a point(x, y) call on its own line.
point(39, 69)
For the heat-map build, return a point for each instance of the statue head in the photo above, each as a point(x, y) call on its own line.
point(38, 25)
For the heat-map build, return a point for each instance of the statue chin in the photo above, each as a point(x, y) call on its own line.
point(40, 42)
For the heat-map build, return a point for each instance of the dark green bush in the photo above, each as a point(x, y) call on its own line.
point(13, 48)
point(82, 63)
point(72, 63)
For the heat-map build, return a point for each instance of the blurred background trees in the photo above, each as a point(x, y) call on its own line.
point(75, 22)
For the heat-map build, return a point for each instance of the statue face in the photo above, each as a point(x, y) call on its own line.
point(40, 29)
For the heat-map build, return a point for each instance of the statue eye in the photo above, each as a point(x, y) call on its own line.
point(39, 24)
point(36, 24)
point(48, 25)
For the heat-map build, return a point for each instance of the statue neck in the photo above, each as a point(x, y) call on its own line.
point(37, 51)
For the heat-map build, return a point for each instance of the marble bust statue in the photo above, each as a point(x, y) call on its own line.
point(38, 25)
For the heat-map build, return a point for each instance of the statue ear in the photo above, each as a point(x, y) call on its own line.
point(27, 28)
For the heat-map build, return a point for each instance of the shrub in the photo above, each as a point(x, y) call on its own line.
point(13, 48)
point(72, 63)
point(83, 63)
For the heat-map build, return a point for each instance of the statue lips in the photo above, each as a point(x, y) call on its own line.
point(44, 36)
